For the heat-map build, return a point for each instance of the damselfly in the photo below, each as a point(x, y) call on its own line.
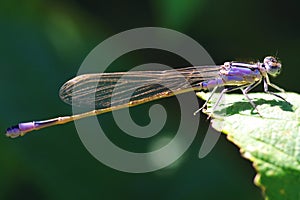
point(156, 85)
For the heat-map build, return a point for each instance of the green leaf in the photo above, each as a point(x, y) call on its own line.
point(271, 142)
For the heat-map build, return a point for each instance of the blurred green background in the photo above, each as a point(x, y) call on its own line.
point(43, 44)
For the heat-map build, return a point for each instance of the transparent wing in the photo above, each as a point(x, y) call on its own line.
point(134, 87)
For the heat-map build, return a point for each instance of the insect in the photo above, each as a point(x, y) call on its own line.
point(147, 86)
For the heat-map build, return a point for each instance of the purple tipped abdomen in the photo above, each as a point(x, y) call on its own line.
point(19, 129)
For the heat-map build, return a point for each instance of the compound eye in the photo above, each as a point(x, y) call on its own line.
point(272, 65)
point(270, 59)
